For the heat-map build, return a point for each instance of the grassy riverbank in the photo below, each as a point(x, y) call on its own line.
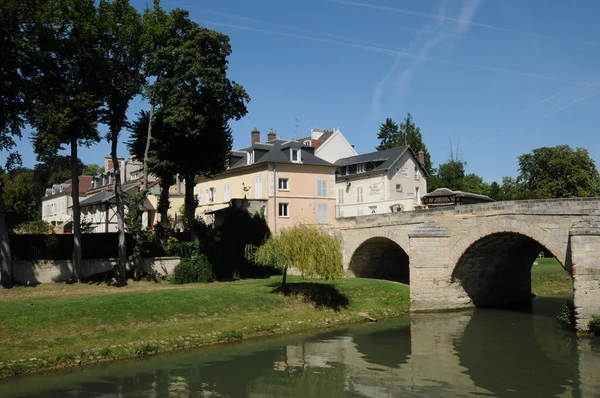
point(548, 277)
point(57, 325)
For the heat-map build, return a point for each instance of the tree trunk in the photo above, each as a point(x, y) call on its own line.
point(147, 149)
point(121, 268)
point(6, 271)
point(190, 206)
point(76, 213)
point(163, 201)
point(284, 279)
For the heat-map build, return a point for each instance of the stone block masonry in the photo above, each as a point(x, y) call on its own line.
point(480, 254)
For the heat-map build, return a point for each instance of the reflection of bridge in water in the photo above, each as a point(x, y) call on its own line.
point(481, 352)
point(479, 255)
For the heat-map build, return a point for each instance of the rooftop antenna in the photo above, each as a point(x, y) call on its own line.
point(296, 124)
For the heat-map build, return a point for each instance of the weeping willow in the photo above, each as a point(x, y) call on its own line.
point(309, 249)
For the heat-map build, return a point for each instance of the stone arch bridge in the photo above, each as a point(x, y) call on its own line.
point(479, 255)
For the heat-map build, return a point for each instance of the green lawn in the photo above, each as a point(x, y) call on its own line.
point(58, 324)
point(548, 277)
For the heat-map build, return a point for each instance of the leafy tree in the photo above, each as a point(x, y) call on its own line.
point(389, 135)
point(162, 156)
point(475, 184)
point(68, 93)
point(20, 197)
point(495, 191)
point(411, 136)
point(14, 17)
point(393, 136)
point(559, 172)
point(307, 248)
point(449, 175)
point(198, 100)
point(54, 169)
point(121, 33)
point(92, 170)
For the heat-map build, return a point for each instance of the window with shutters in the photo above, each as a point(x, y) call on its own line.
point(321, 188)
point(226, 193)
point(360, 168)
point(258, 187)
point(341, 196)
point(359, 194)
point(322, 213)
point(199, 194)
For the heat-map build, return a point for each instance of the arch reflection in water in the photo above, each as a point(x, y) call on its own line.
point(380, 258)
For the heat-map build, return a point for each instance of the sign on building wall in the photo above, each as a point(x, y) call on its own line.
point(375, 188)
point(402, 172)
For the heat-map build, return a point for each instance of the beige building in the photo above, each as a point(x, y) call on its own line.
point(57, 204)
point(379, 182)
point(295, 185)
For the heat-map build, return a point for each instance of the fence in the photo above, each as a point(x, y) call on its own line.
point(60, 247)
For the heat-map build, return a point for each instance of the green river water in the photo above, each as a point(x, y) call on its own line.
point(485, 352)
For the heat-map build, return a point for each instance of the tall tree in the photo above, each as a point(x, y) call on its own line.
point(13, 107)
point(449, 174)
point(161, 39)
point(559, 172)
point(121, 33)
point(198, 100)
point(389, 135)
point(69, 95)
point(411, 135)
point(20, 197)
point(162, 156)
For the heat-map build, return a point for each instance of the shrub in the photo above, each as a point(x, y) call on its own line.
point(143, 349)
point(193, 270)
point(594, 324)
point(567, 314)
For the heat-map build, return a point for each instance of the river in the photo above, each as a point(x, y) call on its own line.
point(485, 352)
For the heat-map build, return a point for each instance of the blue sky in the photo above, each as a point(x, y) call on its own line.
point(497, 78)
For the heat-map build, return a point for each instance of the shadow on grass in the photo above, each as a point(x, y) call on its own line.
point(321, 295)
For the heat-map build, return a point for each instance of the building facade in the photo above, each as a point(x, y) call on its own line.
point(330, 145)
point(295, 185)
point(380, 182)
point(57, 203)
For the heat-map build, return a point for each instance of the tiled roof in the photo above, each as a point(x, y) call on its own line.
point(387, 156)
point(106, 195)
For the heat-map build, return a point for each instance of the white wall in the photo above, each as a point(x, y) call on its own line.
point(56, 208)
point(335, 148)
point(380, 191)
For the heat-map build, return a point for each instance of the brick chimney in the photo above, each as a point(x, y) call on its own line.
point(422, 157)
point(108, 163)
point(271, 136)
point(255, 136)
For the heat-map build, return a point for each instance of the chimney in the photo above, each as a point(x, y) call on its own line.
point(108, 163)
point(255, 136)
point(271, 136)
point(422, 157)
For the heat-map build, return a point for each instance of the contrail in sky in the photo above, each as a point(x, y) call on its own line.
point(389, 51)
point(446, 18)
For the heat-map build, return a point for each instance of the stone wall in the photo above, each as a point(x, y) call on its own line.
point(35, 272)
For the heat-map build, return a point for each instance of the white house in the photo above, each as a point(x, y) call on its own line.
point(330, 145)
point(57, 202)
point(380, 182)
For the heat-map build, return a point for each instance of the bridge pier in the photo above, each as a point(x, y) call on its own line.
point(431, 284)
point(584, 247)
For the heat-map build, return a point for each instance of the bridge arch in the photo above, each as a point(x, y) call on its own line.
point(493, 262)
point(380, 257)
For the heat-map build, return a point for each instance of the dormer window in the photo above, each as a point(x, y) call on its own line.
point(307, 143)
point(295, 155)
point(360, 168)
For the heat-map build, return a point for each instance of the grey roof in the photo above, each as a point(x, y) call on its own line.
point(387, 156)
point(445, 192)
point(275, 151)
point(106, 196)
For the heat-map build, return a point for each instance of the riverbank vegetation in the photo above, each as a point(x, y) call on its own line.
point(59, 325)
point(548, 277)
